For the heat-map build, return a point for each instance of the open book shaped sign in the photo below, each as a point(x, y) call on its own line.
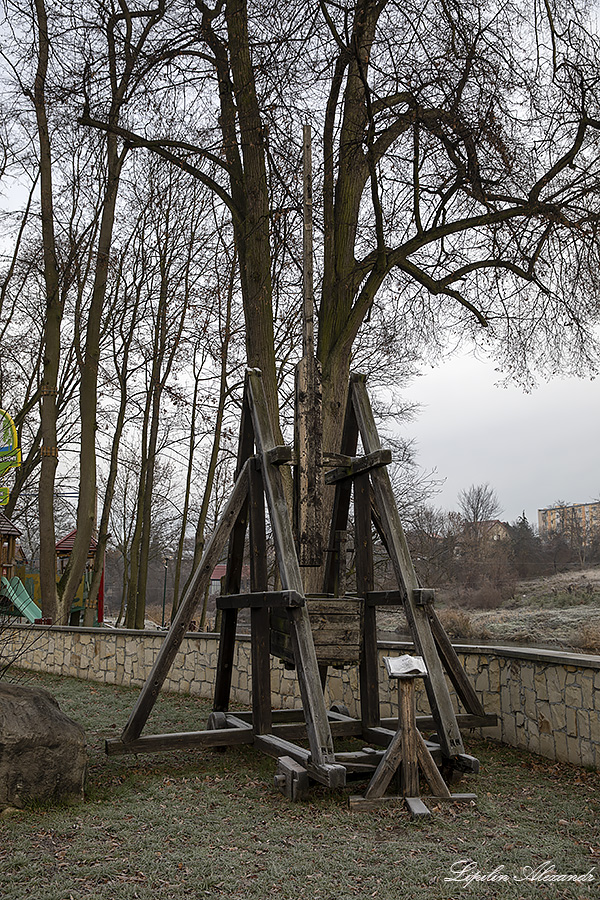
point(405, 666)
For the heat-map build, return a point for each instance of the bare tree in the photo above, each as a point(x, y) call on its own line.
point(479, 503)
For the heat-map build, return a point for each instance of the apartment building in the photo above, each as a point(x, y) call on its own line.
point(579, 520)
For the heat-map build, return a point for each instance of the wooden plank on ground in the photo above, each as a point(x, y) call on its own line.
point(190, 740)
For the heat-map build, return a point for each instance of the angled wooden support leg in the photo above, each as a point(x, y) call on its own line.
point(456, 673)
point(317, 723)
point(195, 592)
point(233, 578)
point(436, 686)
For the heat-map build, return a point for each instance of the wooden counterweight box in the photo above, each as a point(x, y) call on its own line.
point(336, 625)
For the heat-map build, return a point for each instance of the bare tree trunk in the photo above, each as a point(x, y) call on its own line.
point(122, 375)
point(52, 325)
point(134, 549)
point(216, 444)
point(88, 396)
point(188, 487)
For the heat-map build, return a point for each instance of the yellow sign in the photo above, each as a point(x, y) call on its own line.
point(10, 453)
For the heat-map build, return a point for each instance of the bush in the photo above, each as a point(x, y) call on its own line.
point(588, 638)
point(458, 624)
point(487, 596)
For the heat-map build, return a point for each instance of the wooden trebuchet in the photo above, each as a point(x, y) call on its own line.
point(313, 633)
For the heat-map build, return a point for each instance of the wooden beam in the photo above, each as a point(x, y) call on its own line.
point(435, 682)
point(195, 593)
point(297, 730)
point(261, 600)
point(308, 425)
point(308, 437)
point(281, 455)
point(190, 740)
point(363, 548)
point(464, 720)
point(359, 466)
point(259, 615)
point(341, 502)
point(233, 570)
point(277, 746)
point(385, 598)
point(313, 702)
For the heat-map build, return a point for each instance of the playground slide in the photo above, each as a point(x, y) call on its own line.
point(15, 592)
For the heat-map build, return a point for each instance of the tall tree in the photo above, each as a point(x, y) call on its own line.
point(456, 165)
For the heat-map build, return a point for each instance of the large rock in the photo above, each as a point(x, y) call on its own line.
point(42, 752)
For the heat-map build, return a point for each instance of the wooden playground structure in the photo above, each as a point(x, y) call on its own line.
point(314, 632)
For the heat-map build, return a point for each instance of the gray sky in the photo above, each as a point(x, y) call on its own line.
point(533, 449)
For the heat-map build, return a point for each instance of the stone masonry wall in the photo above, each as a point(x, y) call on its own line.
point(546, 702)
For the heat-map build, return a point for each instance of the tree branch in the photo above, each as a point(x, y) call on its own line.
point(160, 148)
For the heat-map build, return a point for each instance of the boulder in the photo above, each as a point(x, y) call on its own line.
point(42, 751)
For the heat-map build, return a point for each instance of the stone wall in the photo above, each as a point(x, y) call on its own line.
point(546, 701)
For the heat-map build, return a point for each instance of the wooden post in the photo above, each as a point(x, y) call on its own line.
point(259, 616)
point(233, 572)
point(409, 774)
point(308, 432)
point(369, 663)
point(341, 502)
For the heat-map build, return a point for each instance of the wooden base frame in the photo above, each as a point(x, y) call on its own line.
point(259, 477)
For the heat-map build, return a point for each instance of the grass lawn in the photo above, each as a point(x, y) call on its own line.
point(209, 824)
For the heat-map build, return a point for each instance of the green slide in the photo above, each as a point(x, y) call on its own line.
point(14, 591)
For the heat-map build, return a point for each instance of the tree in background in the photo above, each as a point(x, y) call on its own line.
point(478, 504)
point(456, 187)
point(458, 171)
point(528, 553)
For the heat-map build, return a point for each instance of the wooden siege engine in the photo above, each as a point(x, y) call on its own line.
point(313, 632)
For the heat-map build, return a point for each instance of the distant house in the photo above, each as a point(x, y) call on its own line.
point(495, 530)
point(486, 530)
point(215, 579)
point(218, 574)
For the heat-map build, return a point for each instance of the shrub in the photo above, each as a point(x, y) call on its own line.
point(588, 638)
point(458, 624)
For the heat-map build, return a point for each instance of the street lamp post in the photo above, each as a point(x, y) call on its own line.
point(166, 561)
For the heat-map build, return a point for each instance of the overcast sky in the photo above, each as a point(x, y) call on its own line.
point(533, 449)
